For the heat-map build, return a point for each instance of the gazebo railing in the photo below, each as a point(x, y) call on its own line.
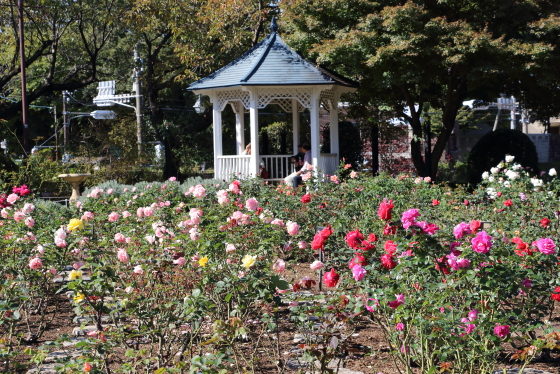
point(278, 166)
point(232, 165)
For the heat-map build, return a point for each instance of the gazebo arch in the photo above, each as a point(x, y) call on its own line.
point(271, 73)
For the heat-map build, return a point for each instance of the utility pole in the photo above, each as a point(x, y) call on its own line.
point(24, 105)
point(138, 91)
point(65, 117)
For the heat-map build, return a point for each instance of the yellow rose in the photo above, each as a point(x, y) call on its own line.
point(203, 261)
point(248, 261)
point(79, 297)
point(75, 274)
point(75, 224)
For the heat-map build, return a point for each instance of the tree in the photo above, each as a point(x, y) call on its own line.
point(65, 43)
point(182, 41)
point(407, 53)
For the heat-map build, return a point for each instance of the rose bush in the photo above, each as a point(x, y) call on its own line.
point(179, 274)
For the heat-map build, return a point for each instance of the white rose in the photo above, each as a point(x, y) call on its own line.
point(490, 179)
point(494, 170)
point(507, 184)
point(516, 167)
point(552, 172)
point(509, 158)
point(536, 182)
point(485, 175)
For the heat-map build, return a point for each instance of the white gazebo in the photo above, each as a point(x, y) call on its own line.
point(271, 73)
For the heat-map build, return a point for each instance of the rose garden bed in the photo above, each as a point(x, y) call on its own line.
point(224, 277)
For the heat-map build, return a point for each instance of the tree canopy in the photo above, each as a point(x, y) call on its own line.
point(407, 53)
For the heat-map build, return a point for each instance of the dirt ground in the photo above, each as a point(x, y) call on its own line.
point(369, 352)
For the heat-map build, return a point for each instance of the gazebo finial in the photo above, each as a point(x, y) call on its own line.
point(273, 25)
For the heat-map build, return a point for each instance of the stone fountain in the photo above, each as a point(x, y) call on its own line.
point(74, 180)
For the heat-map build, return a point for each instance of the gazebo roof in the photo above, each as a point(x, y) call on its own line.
point(270, 63)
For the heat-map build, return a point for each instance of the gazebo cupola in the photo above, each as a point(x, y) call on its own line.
point(271, 73)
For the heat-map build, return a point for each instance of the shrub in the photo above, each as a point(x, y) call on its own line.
point(494, 146)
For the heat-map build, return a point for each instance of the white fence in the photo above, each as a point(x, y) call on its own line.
point(278, 166)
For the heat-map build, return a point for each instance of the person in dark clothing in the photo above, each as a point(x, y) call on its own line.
point(297, 160)
point(307, 165)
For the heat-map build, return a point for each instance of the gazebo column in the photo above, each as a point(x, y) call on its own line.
point(315, 133)
point(239, 109)
point(295, 123)
point(335, 148)
point(217, 127)
point(254, 123)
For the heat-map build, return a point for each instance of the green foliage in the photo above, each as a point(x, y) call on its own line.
point(494, 146)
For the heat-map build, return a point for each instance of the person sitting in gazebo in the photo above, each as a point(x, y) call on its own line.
point(307, 165)
point(263, 173)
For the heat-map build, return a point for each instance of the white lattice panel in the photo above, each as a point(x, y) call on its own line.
point(327, 99)
point(285, 104)
point(267, 95)
point(225, 96)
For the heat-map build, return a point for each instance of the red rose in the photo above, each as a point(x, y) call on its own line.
point(545, 222)
point(331, 278)
point(318, 242)
point(358, 260)
point(556, 294)
point(508, 202)
point(390, 247)
point(389, 230)
point(306, 198)
point(372, 238)
point(466, 202)
point(387, 261)
point(435, 202)
point(499, 194)
point(385, 208)
point(354, 238)
point(326, 232)
point(474, 226)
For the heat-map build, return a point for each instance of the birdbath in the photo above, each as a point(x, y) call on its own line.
point(74, 180)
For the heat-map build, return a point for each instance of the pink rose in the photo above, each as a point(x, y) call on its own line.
point(358, 272)
point(29, 222)
point(138, 270)
point(353, 174)
point(316, 265)
point(302, 245)
point(12, 198)
point(148, 211)
point(172, 179)
point(180, 261)
point(501, 331)
point(35, 263)
point(77, 265)
point(481, 243)
point(140, 212)
point(230, 248)
point(28, 208)
point(252, 204)
point(19, 216)
point(113, 217)
point(292, 228)
point(120, 238)
point(461, 229)
point(545, 246)
point(150, 239)
point(199, 192)
point(399, 326)
point(279, 266)
point(126, 214)
point(87, 216)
